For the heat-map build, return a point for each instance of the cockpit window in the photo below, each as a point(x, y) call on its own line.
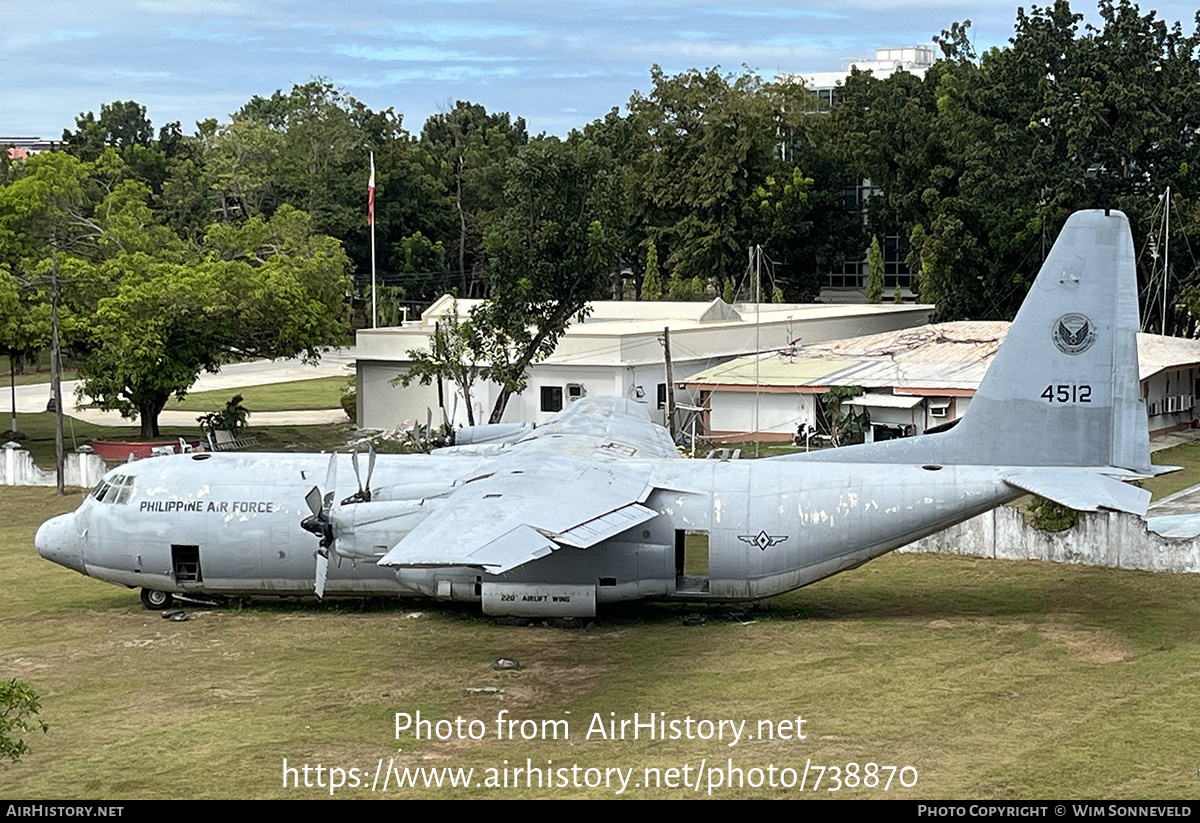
point(115, 490)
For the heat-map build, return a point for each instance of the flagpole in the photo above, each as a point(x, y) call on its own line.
point(371, 220)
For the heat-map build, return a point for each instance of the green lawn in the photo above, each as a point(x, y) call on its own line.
point(1187, 456)
point(299, 395)
point(32, 375)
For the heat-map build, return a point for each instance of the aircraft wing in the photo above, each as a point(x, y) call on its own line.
point(502, 520)
point(573, 482)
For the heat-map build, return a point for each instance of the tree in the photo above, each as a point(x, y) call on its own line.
point(875, 272)
point(982, 160)
point(652, 287)
point(550, 251)
point(454, 353)
point(845, 426)
point(471, 148)
point(122, 123)
point(717, 159)
point(268, 288)
point(19, 709)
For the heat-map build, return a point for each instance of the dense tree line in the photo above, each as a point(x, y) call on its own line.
point(177, 251)
point(982, 160)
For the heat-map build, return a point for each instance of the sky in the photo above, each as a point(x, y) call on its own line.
point(558, 64)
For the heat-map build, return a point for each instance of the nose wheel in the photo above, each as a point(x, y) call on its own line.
point(155, 600)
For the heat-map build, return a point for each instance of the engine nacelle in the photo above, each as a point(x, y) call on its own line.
point(491, 434)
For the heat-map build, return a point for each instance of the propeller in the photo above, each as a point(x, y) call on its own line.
point(363, 495)
point(423, 440)
point(320, 524)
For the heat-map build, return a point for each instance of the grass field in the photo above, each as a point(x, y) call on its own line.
point(991, 679)
point(32, 373)
point(298, 395)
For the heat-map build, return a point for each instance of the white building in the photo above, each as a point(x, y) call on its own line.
point(616, 350)
point(915, 60)
point(914, 379)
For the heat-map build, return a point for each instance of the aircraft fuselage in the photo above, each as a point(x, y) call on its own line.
point(230, 525)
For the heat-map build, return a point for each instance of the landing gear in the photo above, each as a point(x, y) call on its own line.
point(155, 600)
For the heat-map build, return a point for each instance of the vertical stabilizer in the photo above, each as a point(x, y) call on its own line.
point(1063, 389)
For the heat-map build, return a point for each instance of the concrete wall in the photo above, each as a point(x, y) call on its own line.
point(18, 469)
point(1113, 539)
point(778, 412)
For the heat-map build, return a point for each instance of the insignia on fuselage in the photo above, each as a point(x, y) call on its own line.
point(762, 539)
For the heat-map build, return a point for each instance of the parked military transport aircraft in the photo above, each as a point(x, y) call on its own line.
point(595, 507)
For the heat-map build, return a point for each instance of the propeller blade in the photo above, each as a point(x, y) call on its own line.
point(331, 477)
point(357, 476)
point(370, 464)
point(313, 499)
point(322, 572)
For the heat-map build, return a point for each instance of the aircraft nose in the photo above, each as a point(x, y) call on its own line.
point(59, 541)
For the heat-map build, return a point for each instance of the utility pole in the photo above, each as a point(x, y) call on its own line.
point(12, 387)
point(670, 399)
point(56, 366)
point(1166, 258)
point(756, 252)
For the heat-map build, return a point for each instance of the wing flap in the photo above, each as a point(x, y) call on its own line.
point(1083, 490)
point(509, 550)
point(588, 534)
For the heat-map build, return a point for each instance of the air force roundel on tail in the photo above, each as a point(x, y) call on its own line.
point(1073, 333)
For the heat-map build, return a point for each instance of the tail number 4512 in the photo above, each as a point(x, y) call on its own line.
point(1068, 393)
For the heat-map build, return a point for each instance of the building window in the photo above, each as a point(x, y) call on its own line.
point(662, 395)
point(552, 398)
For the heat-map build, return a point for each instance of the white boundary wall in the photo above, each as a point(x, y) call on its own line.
point(17, 469)
point(1112, 539)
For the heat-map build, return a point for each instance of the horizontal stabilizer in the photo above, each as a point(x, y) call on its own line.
point(1082, 490)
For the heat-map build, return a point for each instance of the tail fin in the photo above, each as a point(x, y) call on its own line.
point(1063, 389)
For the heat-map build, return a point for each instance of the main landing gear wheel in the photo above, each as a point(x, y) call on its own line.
point(155, 600)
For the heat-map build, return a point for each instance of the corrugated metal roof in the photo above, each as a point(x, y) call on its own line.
point(952, 356)
point(771, 370)
point(937, 356)
point(1157, 353)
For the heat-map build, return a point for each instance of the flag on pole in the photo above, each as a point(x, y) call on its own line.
point(371, 194)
